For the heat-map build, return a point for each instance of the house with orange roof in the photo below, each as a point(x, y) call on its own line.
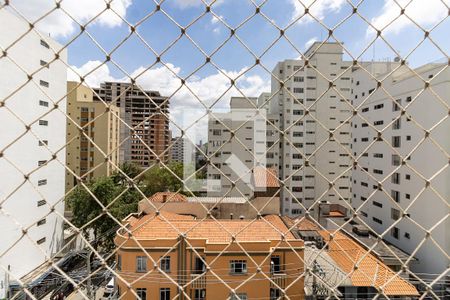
point(342, 267)
point(169, 256)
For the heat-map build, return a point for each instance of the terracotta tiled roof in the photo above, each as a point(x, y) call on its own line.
point(155, 227)
point(265, 177)
point(303, 223)
point(167, 197)
point(347, 253)
point(278, 223)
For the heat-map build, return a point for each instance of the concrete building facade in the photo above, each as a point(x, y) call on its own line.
point(86, 154)
point(399, 185)
point(144, 128)
point(309, 107)
point(35, 149)
point(203, 259)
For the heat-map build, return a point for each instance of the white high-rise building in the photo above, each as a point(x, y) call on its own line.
point(27, 201)
point(311, 100)
point(406, 174)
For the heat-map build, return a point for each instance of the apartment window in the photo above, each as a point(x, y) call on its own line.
point(298, 90)
point(164, 294)
point(296, 167)
point(297, 211)
point(364, 184)
point(408, 137)
point(365, 139)
point(275, 263)
point(379, 122)
point(44, 63)
point(45, 44)
point(217, 132)
point(165, 264)
point(299, 78)
point(275, 294)
point(141, 293)
point(41, 241)
point(408, 177)
point(407, 235)
point(396, 160)
point(297, 134)
point(366, 109)
point(296, 178)
point(378, 155)
point(408, 99)
point(296, 68)
point(41, 222)
point(297, 189)
point(297, 112)
point(119, 262)
point(395, 232)
point(41, 202)
point(43, 122)
point(395, 195)
point(395, 106)
point(41, 163)
point(42, 182)
point(238, 296)
point(376, 220)
point(43, 103)
point(395, 178)
point(364, 125)
point(407, 196)
point(397, 124)
point(396, 141)
point(238, 267)
point(377, 204)
point(44, 83)
point(378, 106)
point(395, 214)
point(141, 264)
point(378, 171)
point(363, 198)
point(296, 156)
point(199, 294)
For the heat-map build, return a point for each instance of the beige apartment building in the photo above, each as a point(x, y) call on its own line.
point(86, 154)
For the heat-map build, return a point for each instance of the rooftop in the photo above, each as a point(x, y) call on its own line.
point(170, 226)
point(163, 197)
point(265, 177)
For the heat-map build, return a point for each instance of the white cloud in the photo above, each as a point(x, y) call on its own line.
point(215, 20)
point(195, 3)
point(183, 104)
point(58, 23)
point(317, 8)
point(310, 42)
point(424, 13)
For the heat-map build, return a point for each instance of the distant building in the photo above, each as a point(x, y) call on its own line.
point(237, 144)
point(408, 157)
point(87, 154)
point(144, 129)
point(180, 147)
point(32, 159)
point(196, 260)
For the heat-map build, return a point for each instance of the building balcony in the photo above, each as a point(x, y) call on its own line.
point(278, 279)
point(198, 281)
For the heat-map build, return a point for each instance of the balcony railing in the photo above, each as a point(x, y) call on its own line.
point(278, 280)
point(198, 281)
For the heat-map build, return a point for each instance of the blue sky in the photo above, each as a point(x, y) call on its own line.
point(211, 83)
point(159, 31)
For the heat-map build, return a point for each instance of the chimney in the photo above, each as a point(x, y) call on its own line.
point(231, 216)
point(164, 200)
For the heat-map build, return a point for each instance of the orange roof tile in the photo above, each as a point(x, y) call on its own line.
point(347, 253)
point(162, 197)
point(303, 223)
point(155, 227)
point(265, 177)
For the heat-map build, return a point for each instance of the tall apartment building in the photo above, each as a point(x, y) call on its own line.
point(236, 145)
point(26, 110)
point(415, 187)
point(309, 107)
point(144, 125)
point(179, 147)
point(86, 155)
